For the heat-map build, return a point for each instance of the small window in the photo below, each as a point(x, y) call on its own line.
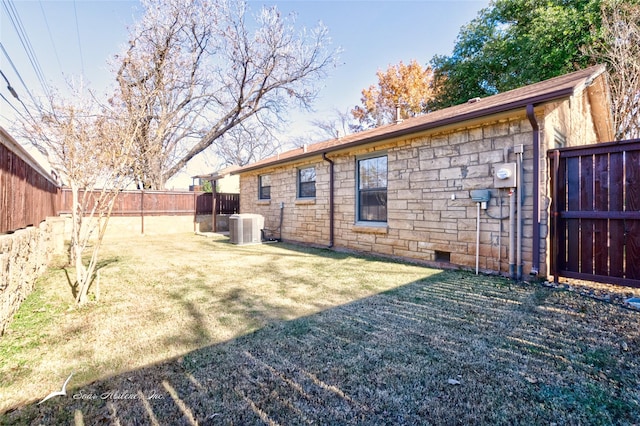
point(559, 139)
point(264, 187)
point(307, 182)
point(372, 189)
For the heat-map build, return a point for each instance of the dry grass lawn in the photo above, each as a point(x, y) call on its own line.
point(190, 330)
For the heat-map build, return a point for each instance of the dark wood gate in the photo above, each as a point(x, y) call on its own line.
point(595, 222)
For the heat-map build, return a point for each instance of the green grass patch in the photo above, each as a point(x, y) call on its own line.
point(281, 334)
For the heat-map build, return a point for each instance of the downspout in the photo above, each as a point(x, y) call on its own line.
point(331, 198)
point(519, 216)
point(535, 262)
point(281, 220)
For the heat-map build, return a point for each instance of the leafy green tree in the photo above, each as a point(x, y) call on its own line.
point(206, 186)
point(513, 43)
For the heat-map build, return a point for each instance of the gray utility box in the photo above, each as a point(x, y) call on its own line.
point(504, 175)
point(246, 228)
point(480, 195)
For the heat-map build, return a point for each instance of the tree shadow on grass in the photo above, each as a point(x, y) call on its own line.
point(450, 349)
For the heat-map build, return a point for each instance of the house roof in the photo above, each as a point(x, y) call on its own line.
point(534, 94)
point(219, 174)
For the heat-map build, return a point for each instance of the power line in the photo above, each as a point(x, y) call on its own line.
point(14, 17)
point(17, 73)
point(11, 89)
point(15, 95)
point(14, 108)
point(75, 11)
point(11, 105)
point(53, 44)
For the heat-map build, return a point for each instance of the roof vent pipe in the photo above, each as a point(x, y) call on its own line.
point(398, 116)
point(304, 148)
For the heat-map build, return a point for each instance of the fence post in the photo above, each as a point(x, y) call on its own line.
point(214, 198)
point(195, 209)
point(555, 167)
point(142, 209)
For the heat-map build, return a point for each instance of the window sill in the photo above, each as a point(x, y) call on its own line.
point(263, 202)
point(370, 228)
point(305, 201)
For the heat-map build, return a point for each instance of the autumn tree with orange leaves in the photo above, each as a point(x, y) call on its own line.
point(409, 87)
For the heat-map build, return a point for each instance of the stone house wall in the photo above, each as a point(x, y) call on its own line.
point(430, 215)
point(305, 220)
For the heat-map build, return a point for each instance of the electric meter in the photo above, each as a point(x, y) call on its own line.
point(504, 175)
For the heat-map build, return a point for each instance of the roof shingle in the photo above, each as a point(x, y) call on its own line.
point(544, 91)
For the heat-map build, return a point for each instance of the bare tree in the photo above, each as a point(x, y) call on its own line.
point(90, 149)
point(245, 143)
point(335, 125)
point(198, 69)
point(621, 52)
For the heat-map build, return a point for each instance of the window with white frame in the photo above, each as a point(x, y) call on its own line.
point(372, 189)
point(559, 139)
point(307, 182)
point(264, 187)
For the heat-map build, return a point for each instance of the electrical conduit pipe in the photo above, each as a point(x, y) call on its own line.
point(477, 238)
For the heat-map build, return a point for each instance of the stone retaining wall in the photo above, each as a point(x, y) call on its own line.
point(24, 256)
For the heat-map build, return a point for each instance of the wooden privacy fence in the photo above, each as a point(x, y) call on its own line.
point(28, 195)
point(595, 229)
point(226, 203)
point(163, 203)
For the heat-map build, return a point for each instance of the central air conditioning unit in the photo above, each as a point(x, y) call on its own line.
point(246, 228)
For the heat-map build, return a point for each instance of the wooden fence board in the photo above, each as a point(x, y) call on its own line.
point(586, 225)
point(26, 196)
point(561, 202)
point(616, 226)
point(632, 227)
point(603, 195)
point(573, 225)
point(163, 203)
point(601, 203)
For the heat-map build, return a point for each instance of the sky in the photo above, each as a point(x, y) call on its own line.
point(74, 39)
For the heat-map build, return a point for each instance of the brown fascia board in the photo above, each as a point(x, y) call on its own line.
point(493, 109)
point(600, 100)
point(414, 129)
